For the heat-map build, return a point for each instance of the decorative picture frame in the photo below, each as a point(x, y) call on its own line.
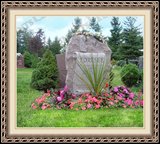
point(6, 103)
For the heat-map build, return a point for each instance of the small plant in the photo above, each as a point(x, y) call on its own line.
point(130, 75)
point(86, 101)
point(119, 96)
point(122, 96)
point(57, 99)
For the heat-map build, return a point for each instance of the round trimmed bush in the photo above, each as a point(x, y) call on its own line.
point(130, 75)
point(45, 76)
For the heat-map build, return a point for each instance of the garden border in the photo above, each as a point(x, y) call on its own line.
point(6, 5)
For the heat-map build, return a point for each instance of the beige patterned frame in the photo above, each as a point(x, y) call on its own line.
point(153, 6)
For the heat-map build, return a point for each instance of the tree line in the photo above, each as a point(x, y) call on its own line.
point(125, 42)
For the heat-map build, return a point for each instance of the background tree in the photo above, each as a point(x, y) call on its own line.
point(55, 46)
point(132, 40)
point(115, 40)
point(94, 25)
point(76, 25)
point(23, 37)
point(49, 43)
point(27, 59)
point(36, 43)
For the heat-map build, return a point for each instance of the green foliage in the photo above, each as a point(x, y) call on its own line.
point(45, 75)
point(23, 36)
point(35, 61)
point(27, 59)
point(95, 82)
point(130, 75)
point(111, 77)
point(36, 43)
point(121, 63)
point(55, 46)
point(132, 40)
point(140, 76)
point(94, 25)
point(113, 62)
point(115, 40)
point(76, 25)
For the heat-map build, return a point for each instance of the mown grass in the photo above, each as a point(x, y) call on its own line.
point(26, 117)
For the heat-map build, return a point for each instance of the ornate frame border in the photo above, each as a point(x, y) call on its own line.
point(152, 5)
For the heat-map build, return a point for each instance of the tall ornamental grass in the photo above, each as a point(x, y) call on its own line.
point(96, 79)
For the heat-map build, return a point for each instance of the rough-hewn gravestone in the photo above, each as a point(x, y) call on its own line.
point(85, 46)
point(20, 61)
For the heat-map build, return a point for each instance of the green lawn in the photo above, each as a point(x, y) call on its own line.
point(26, 117)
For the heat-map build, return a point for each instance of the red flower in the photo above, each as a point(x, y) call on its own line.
point(107, 85)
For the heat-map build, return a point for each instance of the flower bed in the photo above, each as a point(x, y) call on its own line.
point(119, 96)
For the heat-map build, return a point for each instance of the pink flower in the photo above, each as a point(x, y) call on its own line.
point(71, 105)
point(129, 101)
point(111, 103)
point(40, 99)
point(79, 100)
point(33, 106)
point(115, 89)
point(89, 105)
point(44, 107)
point(121, 95)
point(141, 102)
point(136, 102)
point(87, 95)
point(116, 101)
point(125, 90)
point(97, 106)
point(59, 99)
point(62, 93)
point(131, 95)
point(83, 108)
point(65, 88)
point(73, 96)
point(90, 97)
point(106, 94)
point(124, 106)
point(94, 99)
point(120, 98)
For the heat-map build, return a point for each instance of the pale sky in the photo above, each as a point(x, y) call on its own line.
point(59, 25)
